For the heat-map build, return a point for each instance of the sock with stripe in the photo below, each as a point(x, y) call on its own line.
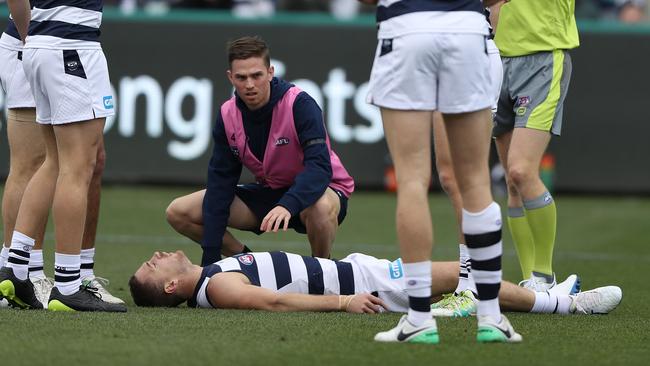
point(87, 263)
point(542, 219)
point(483, 238)
point(4, 254)
point(36, 264)
point(67, 273)
point(548, 303)
point(21, 246)
point(465, 280)
point(417, 277)
point(523, 239)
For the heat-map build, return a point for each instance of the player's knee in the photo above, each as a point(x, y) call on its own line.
point(322, 213)
point(447, 181)
point(520, 174)
point(100, 163)
point(176, 216)
point(27, 166)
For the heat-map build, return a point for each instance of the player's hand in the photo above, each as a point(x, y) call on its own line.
point(278, 216)
point(364, 303)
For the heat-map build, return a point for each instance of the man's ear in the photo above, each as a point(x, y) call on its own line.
point(271, 72)
point(171, 286)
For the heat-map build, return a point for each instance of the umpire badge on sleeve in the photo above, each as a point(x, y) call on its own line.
point(386, 46)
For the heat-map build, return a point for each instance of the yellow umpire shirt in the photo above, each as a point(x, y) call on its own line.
point(530, 26)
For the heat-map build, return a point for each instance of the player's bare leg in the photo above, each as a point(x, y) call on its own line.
point(30, 226)
point(321, 221)
point(185, 215)
point(526, 150)
point(408, 134)
point(469, 140)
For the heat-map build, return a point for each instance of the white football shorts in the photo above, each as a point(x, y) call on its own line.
point(380, 275)
point(16, 88)
point(496, 73)
point(69, 85)
point(448, 72)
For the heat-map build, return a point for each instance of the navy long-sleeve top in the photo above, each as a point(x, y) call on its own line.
point(225, 168)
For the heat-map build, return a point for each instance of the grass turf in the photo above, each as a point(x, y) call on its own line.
point(605, 240)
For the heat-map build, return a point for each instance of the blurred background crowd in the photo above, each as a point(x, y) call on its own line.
point(629, 11)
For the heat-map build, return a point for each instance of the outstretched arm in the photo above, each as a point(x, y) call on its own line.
point(231, 290)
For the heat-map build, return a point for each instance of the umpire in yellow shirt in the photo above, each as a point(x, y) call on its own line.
point(533, 37)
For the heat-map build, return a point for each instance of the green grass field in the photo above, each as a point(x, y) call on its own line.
point(605, 240)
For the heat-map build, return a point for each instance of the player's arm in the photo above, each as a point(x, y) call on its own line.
point(20, 12)
point(313, 180)
point(494, 14)
point(232, 290)
point(223, 174)
point(489, 3)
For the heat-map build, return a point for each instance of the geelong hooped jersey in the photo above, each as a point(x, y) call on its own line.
point(282, 272)
point(400, 17)
point(65, 24)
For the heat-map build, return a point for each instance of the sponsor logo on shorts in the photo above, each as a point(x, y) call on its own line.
point(395, 269)
point(521, 106)
point(282, 141)
point(246, 259)
point(72, 65)
point(108, 102)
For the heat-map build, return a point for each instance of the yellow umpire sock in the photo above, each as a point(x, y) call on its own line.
point(523, 239)
point(542, 219)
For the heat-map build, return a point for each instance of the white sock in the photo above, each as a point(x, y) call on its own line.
point(21, 246)
point(36, 264)
point(66, 273)
point(417, 277)
point(465, 278)
point(87, 263)
point(4, 254)
point(548, 303)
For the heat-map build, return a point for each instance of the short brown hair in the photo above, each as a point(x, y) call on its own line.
point(152, 295)
point(246, 47)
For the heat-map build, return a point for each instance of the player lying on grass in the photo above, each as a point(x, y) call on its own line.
point(279, 281)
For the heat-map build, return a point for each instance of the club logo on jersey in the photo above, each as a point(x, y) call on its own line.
point(395, 269)
point(108, 102)
point(246, 259)
point(282, 141)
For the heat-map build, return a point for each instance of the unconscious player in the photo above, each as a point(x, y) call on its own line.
point(279, 281)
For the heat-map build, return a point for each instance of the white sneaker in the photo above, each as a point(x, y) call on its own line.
point(537, 283)
point(570, 286)
point(491, 331)
point(42, 288)
point(4, 303)
point(408, 333)
point(601, 300)
point(100, 284)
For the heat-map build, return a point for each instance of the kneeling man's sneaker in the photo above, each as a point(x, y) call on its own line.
point(86, 299)
point(491, 331)
point(19, 294)
point(406, 332)
point(600, 300)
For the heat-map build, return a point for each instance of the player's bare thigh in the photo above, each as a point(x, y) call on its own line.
point(190, 207)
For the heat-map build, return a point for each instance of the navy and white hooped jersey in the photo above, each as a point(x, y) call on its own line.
point(283, 272)
point(400, 17)
point(10, 39)
point(65, 24)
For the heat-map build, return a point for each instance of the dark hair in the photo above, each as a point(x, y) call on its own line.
point(152, 295)
point(246, 47)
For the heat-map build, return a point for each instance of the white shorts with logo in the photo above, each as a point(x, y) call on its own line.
point(16, 88)
point(448, 72)
point(69, 85)
point(381, 276)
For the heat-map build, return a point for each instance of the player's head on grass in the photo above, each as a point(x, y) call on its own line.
point(159, 281)
point(250, 71)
